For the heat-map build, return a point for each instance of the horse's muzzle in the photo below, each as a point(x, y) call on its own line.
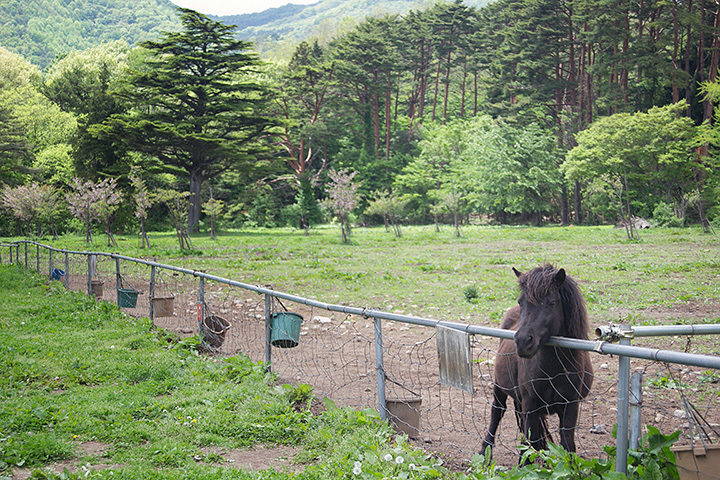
point(525, 345)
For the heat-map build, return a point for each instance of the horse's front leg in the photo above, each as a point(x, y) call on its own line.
point(534, 431)
point(499, 406)
point(534, 427)
point(568, 421)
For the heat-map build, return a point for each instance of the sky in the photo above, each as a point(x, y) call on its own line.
point(235, 7)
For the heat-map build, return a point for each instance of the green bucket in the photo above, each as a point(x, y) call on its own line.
point(127, 298)
point(285, 329)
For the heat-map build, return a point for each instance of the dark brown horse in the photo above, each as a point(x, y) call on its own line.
point(542, 380)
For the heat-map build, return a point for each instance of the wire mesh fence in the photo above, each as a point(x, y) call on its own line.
point(362, 359)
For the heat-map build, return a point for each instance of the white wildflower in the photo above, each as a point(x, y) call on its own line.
point(388, 457)
point(358, 468)
point(399, 460)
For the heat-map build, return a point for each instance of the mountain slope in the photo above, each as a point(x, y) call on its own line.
point(40, 30)
point(273, 29)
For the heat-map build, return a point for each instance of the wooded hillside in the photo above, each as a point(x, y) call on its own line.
point(41, 30)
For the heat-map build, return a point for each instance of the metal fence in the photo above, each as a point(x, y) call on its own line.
point(390, 361)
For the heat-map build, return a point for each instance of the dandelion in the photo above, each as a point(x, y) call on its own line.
point(194, 420)
point(388, 457)
point(358, 468)
point(399, 460)
point(411, 466)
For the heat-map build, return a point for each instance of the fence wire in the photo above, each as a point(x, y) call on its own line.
point(336, 354)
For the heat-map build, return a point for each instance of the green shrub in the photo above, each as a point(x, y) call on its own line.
point(471, 294)
point(664, 216)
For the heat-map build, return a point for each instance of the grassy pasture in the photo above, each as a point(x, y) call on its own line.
point(669, 276)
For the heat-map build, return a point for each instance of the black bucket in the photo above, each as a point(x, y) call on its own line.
point(213, 329)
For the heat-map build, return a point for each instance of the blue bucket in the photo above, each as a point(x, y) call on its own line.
point(285, 329)
point(57, 274)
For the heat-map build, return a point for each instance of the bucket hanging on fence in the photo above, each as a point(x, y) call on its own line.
point(405, 414)
point(162, 306)
point(699, 463)
point(285, 329)
point(58, 274)
point(127, 297)
point(213, 330)
point(96, 286)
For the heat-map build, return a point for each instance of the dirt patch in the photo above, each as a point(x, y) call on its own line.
point(259, 457)
point(87, 452)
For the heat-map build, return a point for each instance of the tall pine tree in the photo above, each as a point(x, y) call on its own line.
point(198, 108)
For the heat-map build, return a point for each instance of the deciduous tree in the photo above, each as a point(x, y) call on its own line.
point(342, 198)
point(94, 202)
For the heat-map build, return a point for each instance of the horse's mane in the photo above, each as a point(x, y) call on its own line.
point(539, 282)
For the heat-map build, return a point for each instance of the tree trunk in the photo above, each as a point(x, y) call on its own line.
point(388, 110)
point(447, 84)
point(714, 63)
point(143, 233)
point(194, 202)
point(564, 207)
point(457, 222)
point(88, 231)
point(577, 203)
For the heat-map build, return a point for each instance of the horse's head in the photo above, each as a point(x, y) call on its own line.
point(541, 308)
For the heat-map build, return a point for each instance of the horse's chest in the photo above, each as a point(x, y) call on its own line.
point(549, 387)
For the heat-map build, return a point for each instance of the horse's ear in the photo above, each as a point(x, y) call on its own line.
point(560, 277)
point(517, 272)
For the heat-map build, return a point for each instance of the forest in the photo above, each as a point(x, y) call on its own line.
point(553, 112)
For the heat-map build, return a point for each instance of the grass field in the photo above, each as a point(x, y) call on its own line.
point(670, 275)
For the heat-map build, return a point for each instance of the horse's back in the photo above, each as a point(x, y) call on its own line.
point(511, 318)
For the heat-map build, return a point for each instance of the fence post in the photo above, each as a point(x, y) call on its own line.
point(635, 409)
point(118, 281)
point(50, 264)
point(201, 303)
point(89, 274)
point(380, 367)
point(26, 256)
point(151, 313)
point(623, 401)
point(37, 257)
point(268, 331)
point(67, 271)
